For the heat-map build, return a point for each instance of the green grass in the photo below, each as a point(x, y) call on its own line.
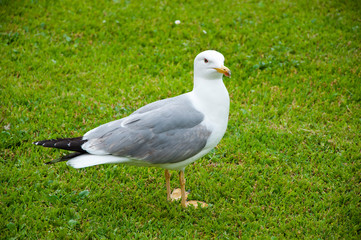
point(288, 167)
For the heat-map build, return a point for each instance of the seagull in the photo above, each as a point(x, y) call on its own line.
point(170, 133)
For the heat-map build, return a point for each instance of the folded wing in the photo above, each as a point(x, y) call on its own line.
point(166, 131)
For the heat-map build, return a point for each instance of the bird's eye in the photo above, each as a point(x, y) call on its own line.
point(206, 60)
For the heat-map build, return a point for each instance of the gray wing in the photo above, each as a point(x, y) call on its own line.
point(166, 131)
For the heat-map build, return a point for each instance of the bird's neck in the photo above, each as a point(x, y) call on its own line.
point(210, 89)
point(211, 96)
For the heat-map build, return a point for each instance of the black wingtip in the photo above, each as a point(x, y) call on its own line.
point(72, 144)
point(54, 161)
point(65, 158)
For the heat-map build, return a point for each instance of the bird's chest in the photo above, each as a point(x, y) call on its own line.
point(217, 125)
point(216, 120)
point(214, 105)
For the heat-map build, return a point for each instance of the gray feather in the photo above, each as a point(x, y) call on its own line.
point(166, 131)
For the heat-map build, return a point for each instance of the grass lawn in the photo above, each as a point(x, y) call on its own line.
point(288, 167)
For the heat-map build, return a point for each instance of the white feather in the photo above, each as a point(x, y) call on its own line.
point(88, 160)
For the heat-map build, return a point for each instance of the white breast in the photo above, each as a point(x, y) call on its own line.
point(212, 100)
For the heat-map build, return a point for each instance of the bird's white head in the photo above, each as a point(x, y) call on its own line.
point(210, 65)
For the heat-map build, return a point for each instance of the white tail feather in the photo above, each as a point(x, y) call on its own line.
point(88, 160)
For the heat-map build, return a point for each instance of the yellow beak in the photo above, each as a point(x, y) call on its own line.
point(224, 70)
